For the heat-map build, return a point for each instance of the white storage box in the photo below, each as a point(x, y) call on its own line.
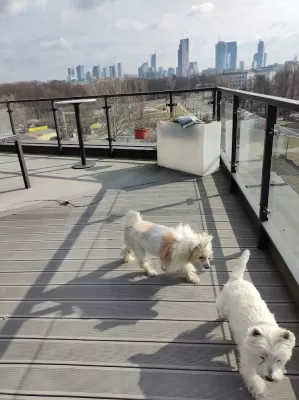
point(195, 150)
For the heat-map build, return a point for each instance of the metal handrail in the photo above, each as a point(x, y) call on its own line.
point(103, 96)
point(272, 104)
point(281, 102)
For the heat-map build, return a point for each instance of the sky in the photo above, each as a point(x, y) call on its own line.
point(40, 39)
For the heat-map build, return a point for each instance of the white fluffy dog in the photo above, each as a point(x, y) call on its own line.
point(177, 247)
point(264, 347)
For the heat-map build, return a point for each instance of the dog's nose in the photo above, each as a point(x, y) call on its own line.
point(269, 378)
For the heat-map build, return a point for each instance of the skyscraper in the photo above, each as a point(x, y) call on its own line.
point(119, 70)
point(171, 71)
point(154, 62)
point(260, 54)
point(265, 60)
point(221, 56)
point(143, 70)
point(96, 72)
point(105, 72)
point(183, 57)
point(193, 68)
point(242, 65)
point(259, 57)
point(88, 76)
point(231, 55)
point(80, 73)
point(70, 74)
point(112, 71)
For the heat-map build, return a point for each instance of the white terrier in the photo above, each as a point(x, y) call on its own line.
point(264, 347)
point(177, 247)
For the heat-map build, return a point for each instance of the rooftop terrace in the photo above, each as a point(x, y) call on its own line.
point(75, 322)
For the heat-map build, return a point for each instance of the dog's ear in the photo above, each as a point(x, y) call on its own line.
point(204, 239)
point(287, 335)
point(254, 332)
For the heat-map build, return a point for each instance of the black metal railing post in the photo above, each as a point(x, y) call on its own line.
point(214, 102)
point(19, 149)
point(235, 134)
point(80, 133)
point(266, 174)
point(57, 128)
point(171, 105)
point(219, 96)
point(108, 121)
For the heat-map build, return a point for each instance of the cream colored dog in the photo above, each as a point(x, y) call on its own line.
point(178, 248)
point(264, 346)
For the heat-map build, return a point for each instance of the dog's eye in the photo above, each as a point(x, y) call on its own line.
point(263, 358)
point(278, 361)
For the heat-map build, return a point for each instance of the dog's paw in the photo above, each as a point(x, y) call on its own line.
point(126, 255)
point(192, 278)
point(148, 269)
point(257, 389)
point(152, 272)
point(128, 258)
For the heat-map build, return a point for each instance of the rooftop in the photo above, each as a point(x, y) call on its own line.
point(75, 322)
point(78, 323)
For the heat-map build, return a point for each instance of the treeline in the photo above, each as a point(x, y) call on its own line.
point(284, 84)
point(54, 89)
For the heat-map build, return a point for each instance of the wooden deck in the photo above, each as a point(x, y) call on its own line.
point(77, 323)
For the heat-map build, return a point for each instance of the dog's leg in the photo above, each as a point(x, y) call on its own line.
point(143, 262)
point(220, 306)
point(127, 254)
point(190, 273)
point(254, 383)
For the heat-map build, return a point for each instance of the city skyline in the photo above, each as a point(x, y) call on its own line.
point(48, 40)
point(96, 72)
point(226, 60)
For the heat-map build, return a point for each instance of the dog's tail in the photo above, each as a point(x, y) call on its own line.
point(239, 270)
point(131, 219)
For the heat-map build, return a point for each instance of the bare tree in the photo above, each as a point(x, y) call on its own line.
point(261, 84)
point(126, 112)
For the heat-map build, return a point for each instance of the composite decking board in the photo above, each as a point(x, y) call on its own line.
point(156, 355)
point(170, 293)
point(114, 241)
point(254, 264)
point(134, 310)
point(37, 397)
point(132, 383)
point(107, 244)
point(112, 235)
point(150, 209)
point(96, 254)
point(183, 356)
point(120, 277)
point(130, 336)
point(122, 330)
point(108, 227)
point(194, 216)
point(142, 202)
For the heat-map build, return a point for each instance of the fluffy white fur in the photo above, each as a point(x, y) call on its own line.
point(177, 247)
point(264, 347)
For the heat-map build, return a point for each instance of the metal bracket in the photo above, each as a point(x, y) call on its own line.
point(275, 131)
point(267, 211)
point(173, 104)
